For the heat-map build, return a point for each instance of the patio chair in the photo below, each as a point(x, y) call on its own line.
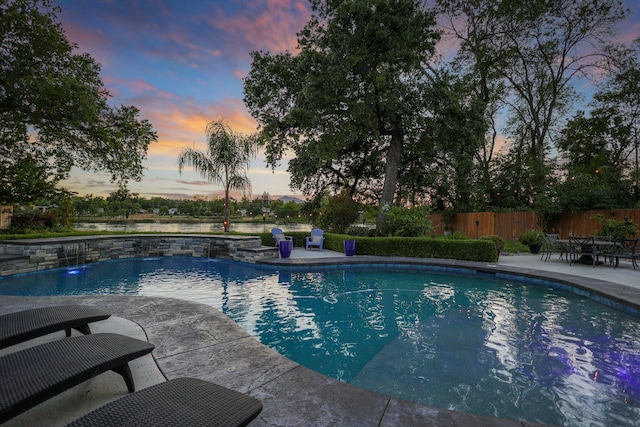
point(24, 325)
point(36, 374)
point(178, 402)
point(606, 251)
point(628, 249)
point(278, 235)
point(551, 246)
point(316, 239)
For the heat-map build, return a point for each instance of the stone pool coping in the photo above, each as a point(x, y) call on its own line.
point(196, 340)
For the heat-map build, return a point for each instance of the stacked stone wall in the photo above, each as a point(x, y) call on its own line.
point(24, 256)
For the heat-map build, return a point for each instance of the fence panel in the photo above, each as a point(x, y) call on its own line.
point(510, 225)
point(6, 211)
point(585, 223)
point(475, 224)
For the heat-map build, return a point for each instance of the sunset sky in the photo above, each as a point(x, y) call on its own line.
point(182, 64)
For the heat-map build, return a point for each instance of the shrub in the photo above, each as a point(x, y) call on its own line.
point(337, 213)
point(497, 240)
point(32, 221)
point(420, 247)
point(530, 238)
point(360, 231)
point(618, 230)
point(456, 235)
point(408, 222)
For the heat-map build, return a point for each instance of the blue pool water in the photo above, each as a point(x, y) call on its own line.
point(470, 343)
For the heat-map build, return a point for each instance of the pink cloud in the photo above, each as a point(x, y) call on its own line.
point(181, 122)
point(93, 42)
point(271, 26)
point(135, 87)
point(630, 33)
point(240, 74)
point(180, 181)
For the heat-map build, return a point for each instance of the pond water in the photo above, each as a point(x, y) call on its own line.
point(164, 227)
point(470, 343)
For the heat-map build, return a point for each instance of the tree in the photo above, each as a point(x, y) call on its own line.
point(602, 146)
point(476, 63)
point(123, 203)
point(337, 212)
point(351, 85)
point(89, 205)
point(535, 50)
point(439, 157)
point(619, 102)
point(53, 108)
point(287, 211)
point(225, 162)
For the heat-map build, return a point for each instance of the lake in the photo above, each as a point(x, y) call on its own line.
point(175, 227)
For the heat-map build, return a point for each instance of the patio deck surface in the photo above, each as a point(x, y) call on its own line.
point(196, 340)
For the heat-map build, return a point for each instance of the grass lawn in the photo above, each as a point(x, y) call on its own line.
point(513, 246)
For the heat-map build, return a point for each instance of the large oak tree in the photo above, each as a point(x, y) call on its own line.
point(348, 99)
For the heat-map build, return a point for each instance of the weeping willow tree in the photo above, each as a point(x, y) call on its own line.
point(225, 162)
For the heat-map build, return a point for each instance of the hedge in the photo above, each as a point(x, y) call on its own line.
point(418, 247)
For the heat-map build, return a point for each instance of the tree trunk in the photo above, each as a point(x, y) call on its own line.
point(391, 175)
point(227, 210)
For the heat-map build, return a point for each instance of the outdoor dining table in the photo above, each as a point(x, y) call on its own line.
point(601, 246)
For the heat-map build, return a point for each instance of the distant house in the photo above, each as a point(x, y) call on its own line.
point(173, 211)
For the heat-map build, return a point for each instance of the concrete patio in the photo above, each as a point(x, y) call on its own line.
point(196, 340)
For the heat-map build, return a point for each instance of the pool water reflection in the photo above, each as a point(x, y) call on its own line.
point(463, 342)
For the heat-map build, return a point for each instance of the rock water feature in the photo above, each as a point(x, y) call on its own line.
point(29, 255)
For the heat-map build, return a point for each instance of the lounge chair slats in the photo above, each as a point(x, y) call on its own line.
point(28, 324)
point(179, 402)
point(33, 375)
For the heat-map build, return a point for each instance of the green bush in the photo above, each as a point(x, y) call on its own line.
point(360, 231)
point(482, 250)
point(456, 235)
point(33, 221)
point(420, 247)
point(408, 222)
point(497, 240)
point(618, 230)
point(530, 238)
point(337, 213)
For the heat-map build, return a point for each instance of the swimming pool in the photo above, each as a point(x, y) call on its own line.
point(467, 343)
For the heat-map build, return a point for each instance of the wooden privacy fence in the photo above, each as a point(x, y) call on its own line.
point(510, 225)
point(5, 216)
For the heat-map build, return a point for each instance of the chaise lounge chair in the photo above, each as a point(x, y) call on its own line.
point(24, 325)
point(31, 376)
point(179, 402)
point(316, 239)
